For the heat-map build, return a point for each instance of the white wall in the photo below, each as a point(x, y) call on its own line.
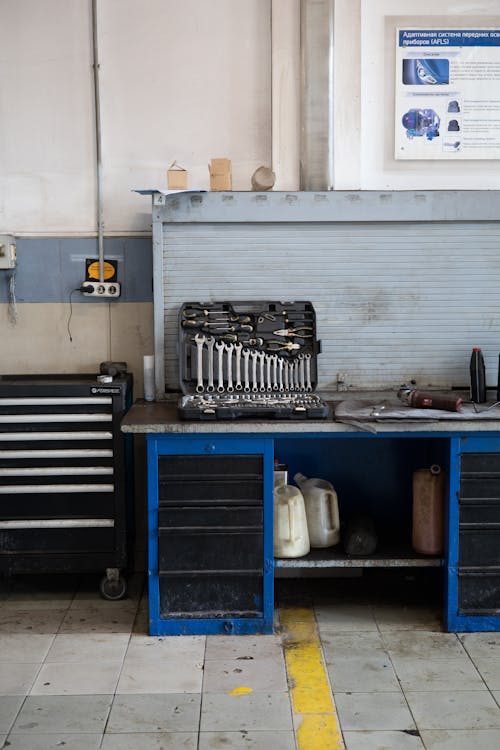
point(46, 115)
point(190, 80)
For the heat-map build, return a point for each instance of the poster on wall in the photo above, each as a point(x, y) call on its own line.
point(447, 103)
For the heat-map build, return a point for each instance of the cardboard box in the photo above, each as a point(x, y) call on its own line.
point(177, 177)
point(220, 174)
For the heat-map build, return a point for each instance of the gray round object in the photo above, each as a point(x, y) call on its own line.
point(263, 179)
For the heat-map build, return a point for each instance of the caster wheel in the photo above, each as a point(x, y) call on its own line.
point(113, 589)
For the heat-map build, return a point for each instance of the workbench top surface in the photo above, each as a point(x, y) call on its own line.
point(365, 415)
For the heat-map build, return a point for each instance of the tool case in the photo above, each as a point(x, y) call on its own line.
point(249, 359)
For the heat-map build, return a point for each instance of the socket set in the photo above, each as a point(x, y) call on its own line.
point(249, 359)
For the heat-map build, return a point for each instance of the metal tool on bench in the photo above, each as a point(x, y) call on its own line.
point(226, 371)
point(410, 396)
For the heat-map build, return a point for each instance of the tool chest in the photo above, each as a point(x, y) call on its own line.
point(64, 476)
point(249, 359)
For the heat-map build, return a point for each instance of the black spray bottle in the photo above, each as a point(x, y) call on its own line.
point(477, 377)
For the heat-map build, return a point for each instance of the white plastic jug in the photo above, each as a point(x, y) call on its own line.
point(291, 538)
point(322, 511)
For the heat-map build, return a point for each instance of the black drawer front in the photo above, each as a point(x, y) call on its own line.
point(183, 480)
point(479, 593)
point(54, 541)
point(200, 550)
point(479, 547)
point(214, 596)
point(210, 517)
point(482, 514)
point(486, 488)
point(60, 505)
point(480, 463)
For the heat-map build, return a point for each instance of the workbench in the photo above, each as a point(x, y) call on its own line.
point(195, 553)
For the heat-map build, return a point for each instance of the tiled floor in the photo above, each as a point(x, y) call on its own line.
point(79, 672)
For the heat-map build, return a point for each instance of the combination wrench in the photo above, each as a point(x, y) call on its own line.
point(262, 381)
point(281, 362)
point(237, 348)
point(308, 373)
point(199, 340)
point(210, 341)
point(253, 355)
point(246, 380)
point(219, 345)
point(302, 384)
point(274, 363)
point(229, 350)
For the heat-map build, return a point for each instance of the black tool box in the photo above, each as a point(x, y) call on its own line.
point(249, 359)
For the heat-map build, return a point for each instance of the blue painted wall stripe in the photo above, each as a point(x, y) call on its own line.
point(48, 269)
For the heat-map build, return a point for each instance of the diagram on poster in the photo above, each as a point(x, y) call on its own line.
point(447, 103)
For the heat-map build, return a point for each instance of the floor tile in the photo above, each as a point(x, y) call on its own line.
point(81, 647)
point(424, 645)
point(156, 741)
point(454, 710)
point(482, 645)
point(462, 739)
point(394, 617)
point(243, 647)
point(398, 740)
point(155, 713)
point(248, 740)
point(233, 713)
point(87, 678)
point(344, 644)
point(489, 669)
point(54, 741)
point(437, 674)
point(17, 679)
point(345, 618)
point(172, 675)
point(31, 621)
point(107, 618)
point(63, 713)
point(362, 674)
point(153, 648)
point(9, 706)
point(24, 647)
point(259, 674)
point(373, 711)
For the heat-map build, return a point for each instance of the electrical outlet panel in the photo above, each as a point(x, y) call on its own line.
point(101, 289)
point(7, 251)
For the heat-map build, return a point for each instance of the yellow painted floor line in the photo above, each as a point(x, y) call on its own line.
point(315, 718)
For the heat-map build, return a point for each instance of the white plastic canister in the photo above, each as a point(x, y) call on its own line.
point(291, 538)
point(322, 510)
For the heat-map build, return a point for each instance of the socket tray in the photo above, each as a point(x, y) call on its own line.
point(255, 359)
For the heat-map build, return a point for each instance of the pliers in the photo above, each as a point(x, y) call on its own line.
point(275, 346)
point(294, 332)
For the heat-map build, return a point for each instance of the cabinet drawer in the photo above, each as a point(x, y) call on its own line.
point(54, 541)
point(479, 592)
point(210, 479)
point(486, 488)
point(478, 547)
point(479, 464)
point(197, 549)
point(480, 514)
point(211, 596)
point(204, 517)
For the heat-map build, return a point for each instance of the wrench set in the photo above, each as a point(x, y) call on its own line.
point(243, 359)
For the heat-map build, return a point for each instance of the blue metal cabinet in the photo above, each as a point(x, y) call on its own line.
point(210, 526)
point(473, 572)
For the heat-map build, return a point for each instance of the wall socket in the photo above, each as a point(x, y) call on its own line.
point(7, 251)
point(101, 289)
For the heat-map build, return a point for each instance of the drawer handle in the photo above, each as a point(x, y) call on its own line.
point(228, 626)
point(210, 448)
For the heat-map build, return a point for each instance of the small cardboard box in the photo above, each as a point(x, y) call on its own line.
point(177, 177)
point(220, 174)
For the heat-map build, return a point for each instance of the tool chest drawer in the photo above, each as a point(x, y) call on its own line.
point(210, 556)
point(479, 546)
point(64, 467)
